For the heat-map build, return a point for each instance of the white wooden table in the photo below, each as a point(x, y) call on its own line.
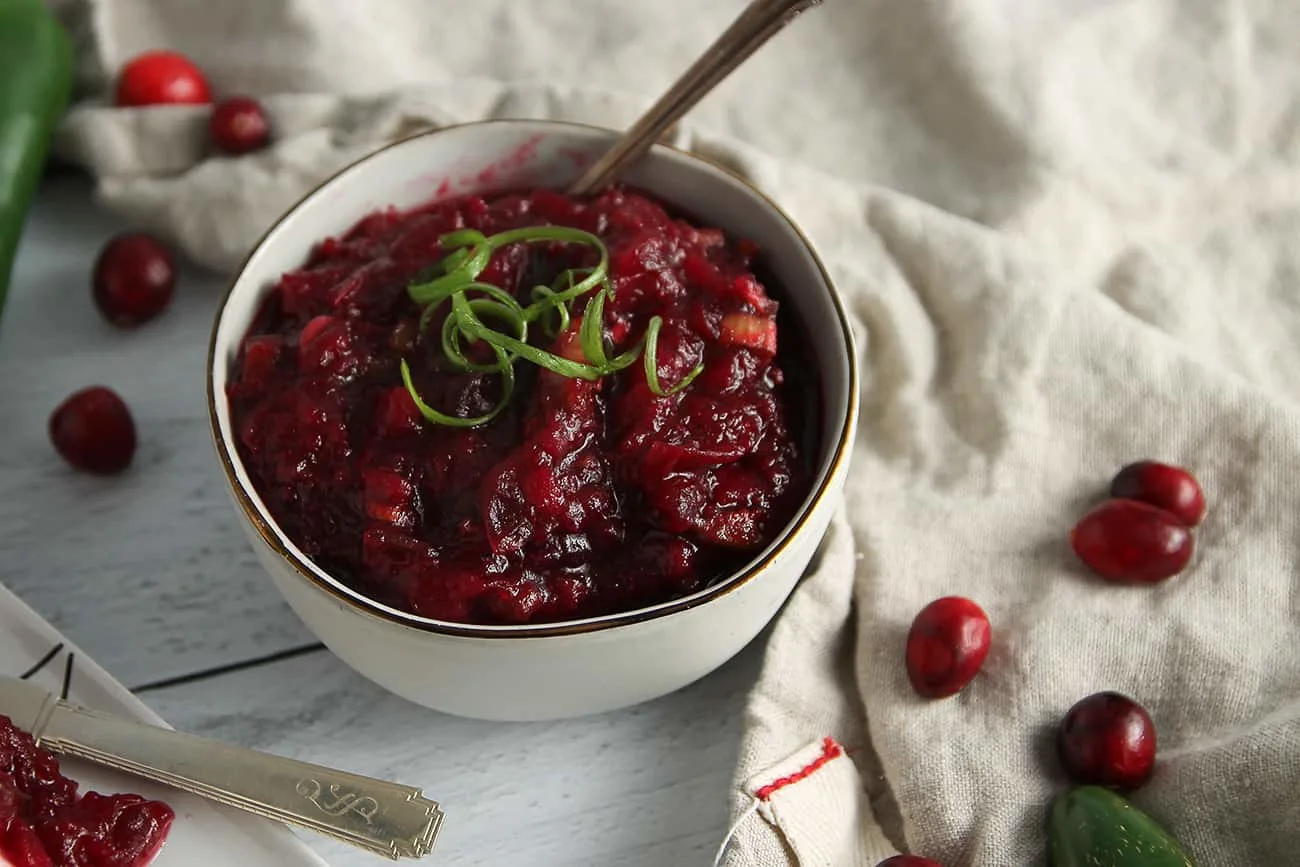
point(149, 573)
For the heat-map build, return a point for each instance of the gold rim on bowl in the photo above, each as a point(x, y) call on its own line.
point(357, 601)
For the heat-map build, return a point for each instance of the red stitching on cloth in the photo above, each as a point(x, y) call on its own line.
point(830, 752)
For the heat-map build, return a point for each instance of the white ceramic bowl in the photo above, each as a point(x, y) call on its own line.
point(577, 667)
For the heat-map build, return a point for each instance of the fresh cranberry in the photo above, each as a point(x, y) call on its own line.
point(161, 77)
point(133, 280)
point(1173, 489)
point(946, 646)
point(908, 861)
point(239, 126)
point(93, 431)
point(1127, 540)
point(1108, 739)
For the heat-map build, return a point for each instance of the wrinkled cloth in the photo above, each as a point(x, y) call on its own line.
point(1067, 234)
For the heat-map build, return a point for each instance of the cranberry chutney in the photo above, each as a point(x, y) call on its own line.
point(525, 408)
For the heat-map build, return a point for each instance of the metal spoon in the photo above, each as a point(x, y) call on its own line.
point(759, 22)
point(385, 818)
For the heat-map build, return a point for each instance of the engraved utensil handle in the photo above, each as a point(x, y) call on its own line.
point(384, 818)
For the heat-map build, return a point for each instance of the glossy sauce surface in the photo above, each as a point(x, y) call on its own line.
point(581, 497)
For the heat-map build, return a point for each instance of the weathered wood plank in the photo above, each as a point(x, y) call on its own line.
point(642, 787)
point(149, 571)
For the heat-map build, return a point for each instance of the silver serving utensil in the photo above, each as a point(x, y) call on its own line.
point(759, 22)
point(385, 818)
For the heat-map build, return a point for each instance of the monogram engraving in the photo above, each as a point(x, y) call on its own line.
point(339, 802)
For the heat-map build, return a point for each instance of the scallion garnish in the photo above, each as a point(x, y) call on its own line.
point(652, 362)
point(475, 303)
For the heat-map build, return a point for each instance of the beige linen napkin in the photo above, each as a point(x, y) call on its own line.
point(1067, 233)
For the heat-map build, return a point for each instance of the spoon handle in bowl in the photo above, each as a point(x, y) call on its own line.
point(384, 818)
point(759, 22)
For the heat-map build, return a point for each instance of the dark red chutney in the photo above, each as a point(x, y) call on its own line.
point(44, 824)
point(581, 497)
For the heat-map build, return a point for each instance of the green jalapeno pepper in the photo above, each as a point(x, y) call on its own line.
point(35, 85)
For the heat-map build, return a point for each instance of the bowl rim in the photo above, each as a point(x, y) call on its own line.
point(361, 604)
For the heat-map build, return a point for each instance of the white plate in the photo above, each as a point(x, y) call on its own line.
point(204, 834)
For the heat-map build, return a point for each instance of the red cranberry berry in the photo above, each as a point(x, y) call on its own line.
point(159, 78)
point(1173, 489)
point(1127, 540)
point(1108, 739)
point(93, 430)
point(946, 646)
point(908, 861)
point(133, 280)
point(239, 126)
